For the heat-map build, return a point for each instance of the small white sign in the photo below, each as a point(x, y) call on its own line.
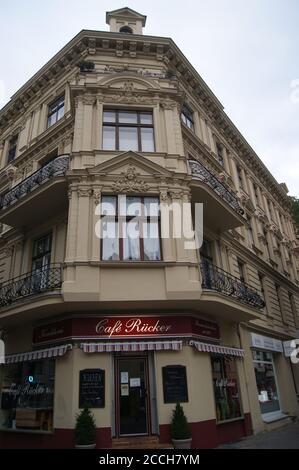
point(124, 389)
point(124, 377)
point(265, 342)
point(135, 382)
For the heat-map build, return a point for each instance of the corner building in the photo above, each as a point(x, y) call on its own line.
point(133, 326)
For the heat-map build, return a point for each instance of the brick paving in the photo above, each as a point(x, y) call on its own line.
point(283, 438)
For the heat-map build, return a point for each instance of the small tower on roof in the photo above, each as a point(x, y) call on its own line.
point(125, 20)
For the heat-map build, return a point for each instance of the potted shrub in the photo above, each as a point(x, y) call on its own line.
point(85, 430)
point(180, 429)
point(86, 66)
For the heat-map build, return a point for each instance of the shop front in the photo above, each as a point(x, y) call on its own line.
point(131, 371)
point(273, 375)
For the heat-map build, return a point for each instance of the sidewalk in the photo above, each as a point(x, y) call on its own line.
point(284, 438)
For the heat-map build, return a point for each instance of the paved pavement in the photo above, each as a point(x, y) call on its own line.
point(283, 438)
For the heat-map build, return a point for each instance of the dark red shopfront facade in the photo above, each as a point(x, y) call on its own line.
point(135, 330)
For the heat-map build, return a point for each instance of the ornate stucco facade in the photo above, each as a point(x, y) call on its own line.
point(55, 169)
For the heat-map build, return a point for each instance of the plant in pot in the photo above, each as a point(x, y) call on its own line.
point(85, 430)
point(180, 429)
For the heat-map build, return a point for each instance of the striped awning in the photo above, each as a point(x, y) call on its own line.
point(58, 351)
point(132, 346)
point(217, 349)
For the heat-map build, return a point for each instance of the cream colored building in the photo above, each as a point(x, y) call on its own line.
point(132, 327)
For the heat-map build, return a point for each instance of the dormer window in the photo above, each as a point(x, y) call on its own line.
point(187, 117)
point(126, 30)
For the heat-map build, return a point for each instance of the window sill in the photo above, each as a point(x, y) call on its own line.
point(131, 264)
point(227, 421)
point(27, 431)
point(138, 264)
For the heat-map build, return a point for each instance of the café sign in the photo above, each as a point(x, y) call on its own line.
point(109, 327)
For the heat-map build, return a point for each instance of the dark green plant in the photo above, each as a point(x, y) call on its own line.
point(85, 430)
point(180, 428)
point(86, 66)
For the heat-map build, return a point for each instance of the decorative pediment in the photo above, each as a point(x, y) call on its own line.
point(126, 13)
point(129, 82)
point(132, 166)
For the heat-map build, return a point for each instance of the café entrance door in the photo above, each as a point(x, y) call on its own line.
point(132, 390)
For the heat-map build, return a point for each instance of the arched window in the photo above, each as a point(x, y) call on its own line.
point(126, 29)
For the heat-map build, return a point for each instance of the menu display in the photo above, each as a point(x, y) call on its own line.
point(92, 388)
point(175, 384)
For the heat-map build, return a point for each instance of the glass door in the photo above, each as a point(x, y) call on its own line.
point(132, 390)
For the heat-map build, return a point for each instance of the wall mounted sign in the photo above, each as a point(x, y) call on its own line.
point(95, 327)
point(124, 377)
point(124, 390)
point(265, 342)
point(92, 388)
point(175, 387)
point(135, 382)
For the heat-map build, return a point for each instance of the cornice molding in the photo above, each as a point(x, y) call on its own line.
point(164, 50)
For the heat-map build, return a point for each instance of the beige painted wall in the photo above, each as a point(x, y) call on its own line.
point(201, 405)
point(67, 388)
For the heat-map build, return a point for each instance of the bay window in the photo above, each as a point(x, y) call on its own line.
point(226, 390)
point(130, 228)
point(128, 130)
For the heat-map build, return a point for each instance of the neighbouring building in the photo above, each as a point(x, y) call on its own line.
point(115, 127)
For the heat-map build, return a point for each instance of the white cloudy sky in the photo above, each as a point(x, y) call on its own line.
point(247, 52)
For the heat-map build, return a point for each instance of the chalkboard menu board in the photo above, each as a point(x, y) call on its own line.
point(92, 388)
point(175, 384)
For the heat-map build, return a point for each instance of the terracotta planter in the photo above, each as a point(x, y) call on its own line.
point(89, 446)
point(182, 443)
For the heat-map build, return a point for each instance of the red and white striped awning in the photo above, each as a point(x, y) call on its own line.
point(132, 346)
point(58, 351)
point(217, 349)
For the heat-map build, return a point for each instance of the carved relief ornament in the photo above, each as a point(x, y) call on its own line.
point(129, 182)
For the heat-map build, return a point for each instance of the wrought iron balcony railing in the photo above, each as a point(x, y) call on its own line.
point(201, 173)
point(216, 279)
point(49, 278)
point(56, 167)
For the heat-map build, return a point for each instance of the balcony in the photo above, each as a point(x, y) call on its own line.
point(222, 210)
point(216, 280)
point(40, 281)
point(37, 197)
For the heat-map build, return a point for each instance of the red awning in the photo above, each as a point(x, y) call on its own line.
point(217, 349)
point(132, 346)
point(58, 351)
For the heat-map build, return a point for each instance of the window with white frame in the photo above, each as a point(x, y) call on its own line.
point(130, 228)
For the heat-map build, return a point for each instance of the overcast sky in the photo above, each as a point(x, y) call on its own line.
point(247, 52)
